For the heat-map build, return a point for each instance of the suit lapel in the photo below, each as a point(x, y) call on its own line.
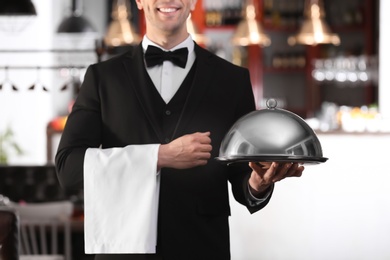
point(201, 82)
point(135, 68)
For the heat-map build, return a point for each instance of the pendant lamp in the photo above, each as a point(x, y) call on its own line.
point(15, 15)
point(120, 31)
point(249, 31)
point(314, 29)
point(194, 32)
point(75, 23)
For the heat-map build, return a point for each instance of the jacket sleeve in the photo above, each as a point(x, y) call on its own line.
point(82, 131)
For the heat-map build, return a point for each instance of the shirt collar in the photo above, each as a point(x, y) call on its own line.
point(187, 43)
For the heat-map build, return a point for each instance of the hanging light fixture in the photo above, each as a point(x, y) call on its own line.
point(314, 29)
point(75, 23)
point(249, 31)
point(194, 32)
point(17, 7)
point(15, 15)
point(120, 31)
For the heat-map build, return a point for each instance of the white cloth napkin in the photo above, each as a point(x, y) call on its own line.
point(121, 193)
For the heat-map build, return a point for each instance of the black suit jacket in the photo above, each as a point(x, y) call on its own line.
point(113, 110)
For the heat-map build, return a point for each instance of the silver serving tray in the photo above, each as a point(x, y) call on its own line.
point(271, 158)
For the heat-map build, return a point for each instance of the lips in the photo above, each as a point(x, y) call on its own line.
point(168, 9)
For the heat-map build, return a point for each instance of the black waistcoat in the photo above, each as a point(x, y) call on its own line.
point(169, 115)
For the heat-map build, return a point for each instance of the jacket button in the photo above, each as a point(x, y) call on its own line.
point(167, 140)
point(168, 112)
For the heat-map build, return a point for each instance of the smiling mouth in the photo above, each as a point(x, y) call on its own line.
point(168, 10)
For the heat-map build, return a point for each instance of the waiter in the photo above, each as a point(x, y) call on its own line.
point(141, 141)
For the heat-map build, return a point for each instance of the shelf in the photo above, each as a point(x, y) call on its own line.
point(295, 84)
point(347, 28)
point(272, 70)
point(275, 28)
point(295, 29)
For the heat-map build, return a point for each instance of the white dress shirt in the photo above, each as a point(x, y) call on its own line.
point(162, 75)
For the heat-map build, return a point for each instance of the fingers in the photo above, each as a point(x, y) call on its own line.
point(186, 151)
point(264, 171)
point(201, 148)
point(264, 165)
point(203, 142)
point(273, 172)
point(287, 170)
point(281, 172)
point(204, 138)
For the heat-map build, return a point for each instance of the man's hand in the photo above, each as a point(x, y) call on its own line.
point(264, 174)
point(185, 152)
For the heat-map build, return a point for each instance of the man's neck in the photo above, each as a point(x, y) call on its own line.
point(167, 41)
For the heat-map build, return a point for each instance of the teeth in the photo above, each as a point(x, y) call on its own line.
point(167, 10)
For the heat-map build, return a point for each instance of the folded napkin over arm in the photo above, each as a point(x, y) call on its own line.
point(121, 193)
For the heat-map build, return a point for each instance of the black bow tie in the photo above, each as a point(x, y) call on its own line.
point(155, 56)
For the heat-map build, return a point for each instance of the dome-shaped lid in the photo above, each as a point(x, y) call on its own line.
point(271, 134)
